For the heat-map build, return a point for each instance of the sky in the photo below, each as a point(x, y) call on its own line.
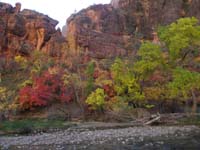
point(56, 9)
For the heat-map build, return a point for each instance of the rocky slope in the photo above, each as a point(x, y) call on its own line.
point(24, 31)
point(116, 29)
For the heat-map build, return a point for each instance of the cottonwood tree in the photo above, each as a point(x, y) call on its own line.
point(150, 59)
point(181, 38)
point(185, 83)
point(125, 83)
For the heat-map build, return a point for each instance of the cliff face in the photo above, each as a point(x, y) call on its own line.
point(100, 31)
point(107, 30)
point(148, 14)
point(97, 30)
point(24, 31)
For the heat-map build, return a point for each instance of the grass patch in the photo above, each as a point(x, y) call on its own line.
point(30, 125)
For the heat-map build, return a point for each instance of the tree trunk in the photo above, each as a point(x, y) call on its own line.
point(194, 101)
point(2, 117)
point(77, 99)
point(187, 108)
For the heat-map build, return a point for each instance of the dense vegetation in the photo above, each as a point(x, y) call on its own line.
point(163, 76)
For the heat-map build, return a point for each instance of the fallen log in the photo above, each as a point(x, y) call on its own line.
point(153, 120)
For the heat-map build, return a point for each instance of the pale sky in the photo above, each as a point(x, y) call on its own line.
point(56, 9)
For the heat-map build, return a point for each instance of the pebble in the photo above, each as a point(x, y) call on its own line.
point(123, 135)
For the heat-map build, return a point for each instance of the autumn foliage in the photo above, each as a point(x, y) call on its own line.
point(45, 89)
point(158, 74)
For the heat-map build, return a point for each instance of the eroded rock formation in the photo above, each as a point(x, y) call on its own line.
point(116, 29)
point(27, 30)
point(98, 29)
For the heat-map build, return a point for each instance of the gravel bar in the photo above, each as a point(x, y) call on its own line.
point(91, 137)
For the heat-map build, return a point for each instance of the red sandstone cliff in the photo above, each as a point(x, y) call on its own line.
point(24, 31)
point(112, 30)
point(100, 31)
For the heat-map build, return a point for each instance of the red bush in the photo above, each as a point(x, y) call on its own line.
point(109, 90)
point(45, 89)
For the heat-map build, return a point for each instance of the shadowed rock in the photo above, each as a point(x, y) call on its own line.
point(112, 30)
point(27, 30)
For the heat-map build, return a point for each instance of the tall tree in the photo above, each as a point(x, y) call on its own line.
point(150, 58)
point(184, 85)
point(90, 77)
point(125, 83)
point(181, 38)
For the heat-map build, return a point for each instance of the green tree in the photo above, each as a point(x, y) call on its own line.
point(181, 37)
point(184, 85)
point(118, 70)
point(125, 83)
point(90, 79)
point(182, 41)
point(150, 58)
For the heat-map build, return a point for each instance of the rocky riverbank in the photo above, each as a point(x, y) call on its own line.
point(86, 138)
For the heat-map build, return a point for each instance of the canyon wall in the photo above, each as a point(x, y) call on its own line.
point(105, 31)
point(24, 31)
